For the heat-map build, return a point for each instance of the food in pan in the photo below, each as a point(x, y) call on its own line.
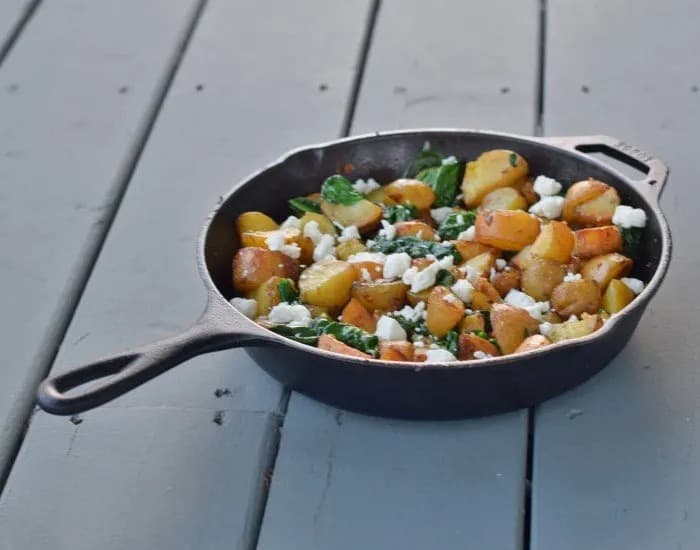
point(452, 262)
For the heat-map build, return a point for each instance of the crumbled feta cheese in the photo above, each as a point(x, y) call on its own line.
point(538, 309)
point(292, 222)
point(528, 303)
point(471, 272)
point(312, 231)
point(413, 314)
point(418, 344)
point(451, 299)
point(572, 319)
point(548, 207)
point(292, 314)
point(439, 214)
point(467, 234)
point(501, 264)
point(389, 329)
point(369, 243)
point(446, 262)
point(626, 216)
point(449, 160)
point(492, 274)
point(439, 355)
point(569, 277)
point(545, 186)
point(348, 233)
point(546, 329)
point(635, 285)
point(246, 306)
point(463, 289)
point(420, 280)
point(376, 257)
point(276, 241)
point(388, 231)
point(365, 187)
point(364, 274)
point(324, 248)
point(396, 265)
point(478, 354)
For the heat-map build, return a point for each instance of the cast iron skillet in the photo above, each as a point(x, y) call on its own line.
point(405, 390)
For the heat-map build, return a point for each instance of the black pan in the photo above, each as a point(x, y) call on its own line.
point(405, 390)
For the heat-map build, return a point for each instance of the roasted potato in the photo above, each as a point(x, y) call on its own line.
point(415, 228)
point(576, 297)
point(354, 313)
point(413, 298)
point(331, 343)
point(347, 248)
point(327, 283)
point(472, 321)
point(590, 203)
point(468, 344)
point(252, 266)
point(540, 277)
point(482, 263)
point(444, 311)
point(535, 341)
point(493, 169)
point(617, 296)
point(267, 295)
point(603, 269)
point(408, 191)
point(555, 242)
point(379, 196)
point(484, 295)
point(380, 295)
point(505, 281)
point(399, 350)
point(506, 229)
point(324, 224)
point(524, 258)
point(595, 241)
point(575, 329)
point(511, 325)
point(374, 269)
point(551, 317)
point(364, 214)
point(291, 236)
point(504, 198)
point(255, 221)
point(470, 249)
point(526, 188)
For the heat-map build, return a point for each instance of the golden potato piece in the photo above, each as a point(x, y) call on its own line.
point(364, 214)
point(603, 269)
point(354, 313)
point(511, 325)
point(375, 270)
point(540, 277)
point(255, 221)
point(482, 263)
point(415, 228)
point(484, 295)
point(576, 297)
point(506, 229)
point(380, 295)
point(324, 224)
point(267, 295)
point(504, 198)
point(399, 350)
point(348, 248)
point(444, 311)
point(413, 298)
point(576, 329)
point(470, 249)
point(617, 296)
point(409, 191)
point(469, 344)
point(252, 266)
point(331, 343)
point(527, 190)
point(590, 203)
point(472, 321)
point(493, 169)
point(291, 236)
point(595, 241)
point(555, 242)
point(379, 196)
point(505, 281)
point(327, 283)
point(524, 258)
point(535, 341)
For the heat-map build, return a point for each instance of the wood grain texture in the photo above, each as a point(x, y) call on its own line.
point(76, 92)
point(617, 461)
point(349, 481)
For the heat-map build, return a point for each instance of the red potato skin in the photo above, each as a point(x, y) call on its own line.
point(252, 266)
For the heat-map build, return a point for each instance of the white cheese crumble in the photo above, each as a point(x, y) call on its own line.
point(548, 207)
point(478, 354)
point(626, 216)
point(246, 306)
point(492, 274)
point(388, 231)
point(376, 257)
point(545, 186)
point(348, 233)
point(291, 314)
point(418, 344)
point(449, 160)
point(538, 310)
point(420, 280)
point(439, 214)
point(396, 265)
point(546, 329)
point(292, 222)
point(572, 319)
point(635, 285)
point(276, 241)
point(471, 273)
point(312, 231)
point(451, 299)
point(528, 303)
point(365, 186)
point(413, 314)
point(439, 355)
point(569, 277)
point(389, 329)
point(467, 234)
point(364, 274)
point(501, 264)
point(324, 248)
point(463, 289)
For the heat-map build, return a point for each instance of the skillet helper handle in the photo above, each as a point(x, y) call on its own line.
point(117, 374)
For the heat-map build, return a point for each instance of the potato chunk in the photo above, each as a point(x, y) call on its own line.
point(416, 229)
point(504, 198)
point(354, 313)
point(617, 296)
point(472, 321)
point(408, 191)
point(540, 277)
point(399, 350)
point(267, 295)
point(493, 169)
point(590, 203)
point(595, 241)
point(576, 297)
point(347, 248)
point(444, 311)
point(255, 221)
point(380, 295)
point(505, 281)
point(603, 269)
point(252, 266)
point(329, 342)
point(482, 263)
point(469, 344)
point(324, 224)
point(327, 283)
point(555, 242)
point(484, 295)
point(506, 229)
point(535, 341)
point(470, 249)
point(511, 325)
point(364, 214)
point(575, 329)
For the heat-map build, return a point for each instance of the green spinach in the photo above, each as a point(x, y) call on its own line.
point(301, 205)
point(338, 189)
point(400, 213)
point(455, 223)
point(286, 290)
point(444, 181)
point(444, 277)
point(427, 158)
point(451, 342)
point(348, 334)
point(513, 159)
point(631, 237)
point(415, 248)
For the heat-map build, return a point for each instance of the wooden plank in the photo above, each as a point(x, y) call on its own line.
point(348, 481)
point(617, 461)
point(13, 13)
point(247, 90)
point(76, 93)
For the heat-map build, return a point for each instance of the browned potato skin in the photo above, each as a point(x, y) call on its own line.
point(354, 313)
point(468, 344)
point(555, 242)
point(347, 248)
point(471, 249)
point(511, 325)
point(506, 280)
point(551, 317)
point(503, 198)
point(255, 221)
point(530, 343)
point(506, 229)
point(443, 313)
point(291, 236)
point(482, 263)
point(576, 297)
point(331, 343)
point(327, 283)
point(413, 298)
point(472, 321)
point(410, 191)
point(540, 278)
point(490, 171)
point(484, 295)
point(603, 269)
point(527, 190)
point(267, 295)
point(590, 203)
point(413, 228)
point(576, 329)
point(396, 351)
point(380, 295)
point(617, 296)
point(375, 269)
point(252, 266)
point(364, 214)
point(524, 258)
point(595, 241)
point(379, 196)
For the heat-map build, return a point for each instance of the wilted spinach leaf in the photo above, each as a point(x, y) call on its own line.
point(400, 213)
point(455, 223)
point(349, 334)
point(415, 248)
point(631, 237)
point(445, 278)
point(305, 335)
point(300, 205)
point(427, 158)
point(338, 189)
point(286, 291)
point(444, 181)
point(451, 342)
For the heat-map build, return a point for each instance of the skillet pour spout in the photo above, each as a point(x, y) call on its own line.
point(394, 389)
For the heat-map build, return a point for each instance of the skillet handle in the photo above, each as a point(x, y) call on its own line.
point(655, 169)
point(117, 374)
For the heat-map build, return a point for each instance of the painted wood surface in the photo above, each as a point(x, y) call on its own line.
point(12, 16)
point(617, 461)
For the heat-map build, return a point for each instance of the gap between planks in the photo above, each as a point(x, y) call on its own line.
point(16, 31)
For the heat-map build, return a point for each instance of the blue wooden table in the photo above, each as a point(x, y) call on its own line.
point(120, 125)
